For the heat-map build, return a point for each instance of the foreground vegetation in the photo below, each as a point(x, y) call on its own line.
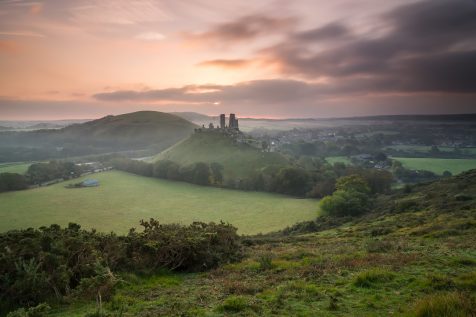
point(412, 254)
point(122, 199)
point(52, 264)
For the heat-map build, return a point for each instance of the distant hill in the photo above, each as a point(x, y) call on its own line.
point(131, 131)
point(240, 160)
point(193, 116)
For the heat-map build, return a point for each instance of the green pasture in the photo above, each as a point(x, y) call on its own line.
point(338, 159)
point(437, 165)
point(123, 199)
point(19, 168)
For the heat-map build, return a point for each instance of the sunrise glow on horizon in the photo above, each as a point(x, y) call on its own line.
point(271, 59)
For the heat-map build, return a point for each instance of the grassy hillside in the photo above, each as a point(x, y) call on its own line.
point(131, 131)
point(437, 165)
point(413, 255)
point(239, 160)
point(123, 199)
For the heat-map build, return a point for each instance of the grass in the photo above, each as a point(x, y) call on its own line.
point(426, 148)
point(345, 270)
point(19, 168)
point(338, 159)
point(437, 165)
point(444, 305)
point(123, 199)
point(239, 160)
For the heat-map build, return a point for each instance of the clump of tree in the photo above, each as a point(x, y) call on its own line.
point(412, 176)
point(50, 263)
point(351, 198)
point(197, 173)
point(133, 166)
point(39, 173)
point(12, 181)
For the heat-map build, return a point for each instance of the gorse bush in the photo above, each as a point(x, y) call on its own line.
point(54, 262)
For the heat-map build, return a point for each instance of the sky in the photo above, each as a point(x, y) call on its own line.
point(269, 58)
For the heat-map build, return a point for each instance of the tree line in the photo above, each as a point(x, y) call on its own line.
point(39, 173)
point(314, 180)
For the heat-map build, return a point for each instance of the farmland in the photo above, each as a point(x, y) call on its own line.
point(437, 165)
point(19, 168)
point(123, 199)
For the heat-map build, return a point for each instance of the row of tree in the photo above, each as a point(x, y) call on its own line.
point(39, 173)
point(197, 173)
point(315, 180)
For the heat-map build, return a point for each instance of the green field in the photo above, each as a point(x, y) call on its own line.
point(19, 168)
point(437, 165)
point(426, 149)
point(338, 159)
point(123, 199)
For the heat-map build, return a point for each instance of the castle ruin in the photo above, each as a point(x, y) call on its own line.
point(231, 127)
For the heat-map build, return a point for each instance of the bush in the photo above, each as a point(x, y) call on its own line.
point(292, 181)
point(41, 310)
point(265, 262)
point(445, 305)
point(50, 262)
point(345, 203)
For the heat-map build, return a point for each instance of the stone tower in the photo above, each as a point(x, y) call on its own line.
point(222, 121)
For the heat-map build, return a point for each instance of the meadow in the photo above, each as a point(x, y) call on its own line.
point(437, 165)
point(338, 159)
point(426, 149)
point(19, 168)
point(123, 199)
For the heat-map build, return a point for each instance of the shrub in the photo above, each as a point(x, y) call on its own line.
point(265, 262)
point(345, 203)
point(52, 262)
point(445, 305)
point(371, 277)
point(41, 310)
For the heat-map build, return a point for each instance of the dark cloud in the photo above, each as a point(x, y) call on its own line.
point(331, 31)
point(266, 91)
point(245, 28)
point(430, 47)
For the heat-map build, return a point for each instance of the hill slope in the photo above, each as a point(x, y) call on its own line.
point(402, 259)
point(239, 160)
point(131, 131)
